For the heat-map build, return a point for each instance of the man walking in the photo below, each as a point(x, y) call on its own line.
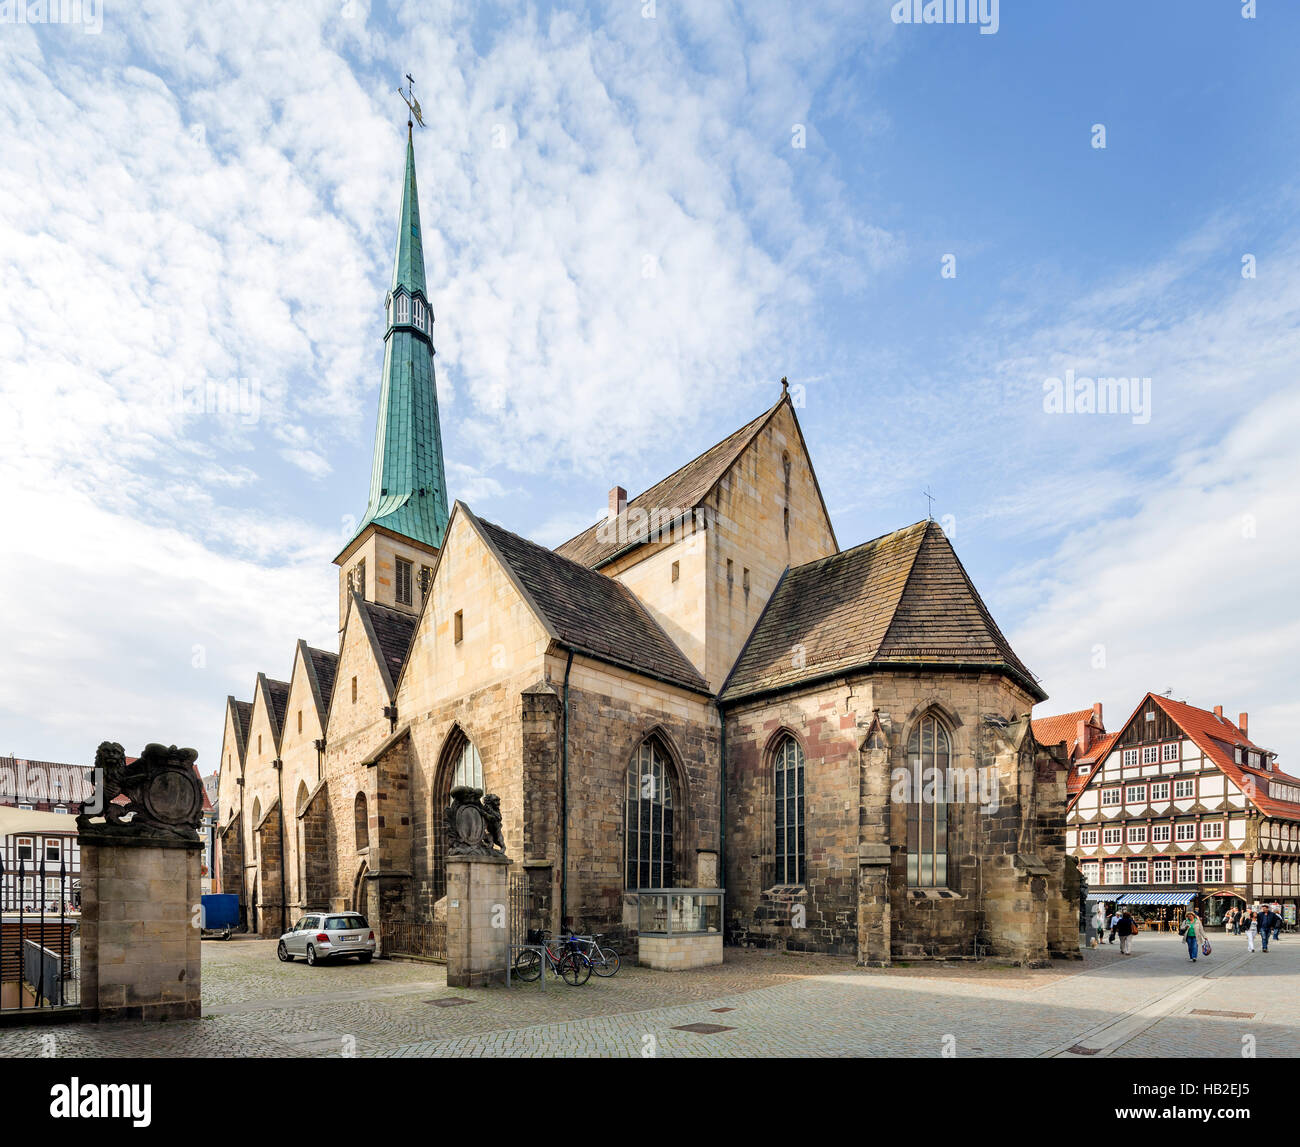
point(1114, 925)
point(1268, 920)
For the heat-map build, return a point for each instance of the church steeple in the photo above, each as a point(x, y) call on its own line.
point(408, 488)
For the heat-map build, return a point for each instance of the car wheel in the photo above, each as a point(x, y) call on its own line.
point(283, 953)
point(311, 956)
point(366, 958)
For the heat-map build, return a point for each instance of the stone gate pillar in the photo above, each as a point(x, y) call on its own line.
point(478, 890)
point(478, 920)
point(140, 886)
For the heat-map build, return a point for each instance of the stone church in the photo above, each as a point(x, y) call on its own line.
point(701, 690)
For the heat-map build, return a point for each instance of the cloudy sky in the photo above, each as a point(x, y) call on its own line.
point(637, 217)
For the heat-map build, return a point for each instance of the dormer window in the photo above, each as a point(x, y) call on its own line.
point(419, 314)
point(403, 309)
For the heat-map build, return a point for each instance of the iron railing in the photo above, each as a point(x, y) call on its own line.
point(404, 938)
point(40, 943)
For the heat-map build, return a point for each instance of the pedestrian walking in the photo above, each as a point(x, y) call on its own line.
point(1114, 925)
point(1099, 921)
point(1191, 929)
point(1126, 928)
point(1252, 928)
point(1234, 921)
point(1266, 925)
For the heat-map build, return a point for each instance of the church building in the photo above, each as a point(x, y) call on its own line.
point(701, 690)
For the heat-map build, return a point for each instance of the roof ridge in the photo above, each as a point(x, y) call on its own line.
point(907, 581)
point(743, 435)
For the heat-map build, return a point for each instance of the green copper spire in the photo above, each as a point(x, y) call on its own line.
point(408, 262)
point(408, 487)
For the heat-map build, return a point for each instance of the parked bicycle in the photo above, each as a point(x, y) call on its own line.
point(566, 961)
point(604, 960)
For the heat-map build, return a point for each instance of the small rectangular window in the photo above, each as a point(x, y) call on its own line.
point(745, 581)
point(404, 571)
point(1160, 832)
point(26, 848)
point(426, 581)
point(1130, 756)
point(300, 720)
point(458, 626)
point(354, 690)
point(1184, 789)
point(1110, 796)
point(53, 850)
point(1169, 752)
point(677, 570)
point(731, 576)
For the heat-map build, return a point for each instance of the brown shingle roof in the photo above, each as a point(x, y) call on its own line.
point(277, 693)
point(902, 598)
point(242, 712)
point(682, 490)
point(591, 613)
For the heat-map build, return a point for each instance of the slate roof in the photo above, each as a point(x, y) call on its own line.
point(324, 664)
point(902, 598)
point(683, 489)
point(591, 613)
point(394, 631)
point(242, 712)
point(278, 694)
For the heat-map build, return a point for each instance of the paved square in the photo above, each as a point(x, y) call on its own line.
point(1153, 1003)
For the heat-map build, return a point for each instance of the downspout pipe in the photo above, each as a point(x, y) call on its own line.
point(564, 788)
point(278, 765)
point(722, 802)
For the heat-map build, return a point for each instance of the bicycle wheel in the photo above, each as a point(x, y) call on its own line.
point(528, 966)
point(575, 969)
point(606, 962)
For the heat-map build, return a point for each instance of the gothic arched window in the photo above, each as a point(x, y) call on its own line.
point(459, 764)
point(929, 757)
point(648, 818)
point(790, 842)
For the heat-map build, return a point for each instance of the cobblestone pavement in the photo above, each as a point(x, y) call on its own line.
point(1143, 1005)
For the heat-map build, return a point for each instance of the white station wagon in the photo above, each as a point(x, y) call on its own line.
point(321, 936)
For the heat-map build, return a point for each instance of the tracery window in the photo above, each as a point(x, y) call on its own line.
point(929, 757)
point(648, 818)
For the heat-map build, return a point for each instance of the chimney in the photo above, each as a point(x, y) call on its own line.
point(1242, 719)
point(1218, 712)
point(1096, 713)
point(617, 501)
point(1084, 736)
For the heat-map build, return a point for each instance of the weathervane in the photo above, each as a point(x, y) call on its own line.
point(930, 498)
point(412, 104)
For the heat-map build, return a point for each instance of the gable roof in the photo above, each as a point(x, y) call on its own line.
point(1217, 738)
point(321, 666)
point(241, 716)
point(684, 489)
point(586, 611)
point(277, 701)
point(903, 598)
point(390, 632)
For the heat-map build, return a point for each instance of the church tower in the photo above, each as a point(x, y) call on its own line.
point(389, 559)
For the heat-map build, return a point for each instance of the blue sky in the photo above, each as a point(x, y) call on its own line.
point(625, 253)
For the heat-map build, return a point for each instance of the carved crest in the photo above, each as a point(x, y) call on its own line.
point(164, 796)
point(474, 823)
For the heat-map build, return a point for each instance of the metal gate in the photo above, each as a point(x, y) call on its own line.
point(40, 940)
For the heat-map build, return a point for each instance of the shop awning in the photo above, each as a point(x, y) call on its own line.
point(1102, 897)
point(1157, 898)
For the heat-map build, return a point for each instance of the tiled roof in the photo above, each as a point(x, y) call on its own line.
point(591, 613)
point(1217, 739)
point(1061, 727)
point(324, 664)
point(393, 630)
point(38, 781)
point(207, 804)
point(902, 598)
point(1092, 758)
point(682, 490)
